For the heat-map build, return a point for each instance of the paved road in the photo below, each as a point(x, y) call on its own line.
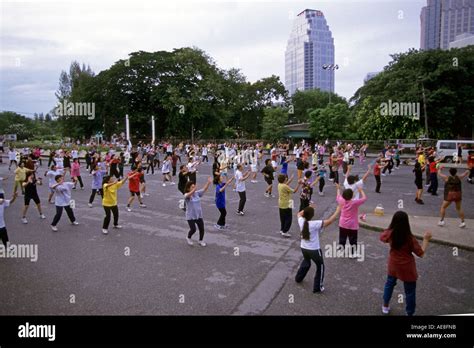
point(246, 270)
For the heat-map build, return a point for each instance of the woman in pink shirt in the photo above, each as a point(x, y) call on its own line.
point(348, 221)
point(76, 173)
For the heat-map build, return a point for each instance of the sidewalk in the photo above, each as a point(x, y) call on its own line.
point(450, 234)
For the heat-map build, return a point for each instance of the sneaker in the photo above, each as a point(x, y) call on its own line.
point(219, 227)
point(129, 209)
point(462, 225)
point(321, 193)
point(286, 235)
point(90, 205)
point(201, 243)
point(104, 231)
point(117, 227)
point(272, 196)
point(238, 212)
point(164, 184)
point(321, 289)
point(383, 174)
point(385, 310)
point(24, 220)
point(42, 216)
point(266, 195)
point(421, 201)
point(146, 194)
point(173, 183)
point(142, 206)
point(54, 228)
point(241, 213)
point(190, 242)
point(441, 223)
point(82, 188)
point(75, 223)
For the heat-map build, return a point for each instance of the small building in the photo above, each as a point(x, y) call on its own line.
point(297, 131)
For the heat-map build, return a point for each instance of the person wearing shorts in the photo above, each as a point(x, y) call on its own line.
point(134, 188)
point(31, 194)
point(267, 172)
point(452, 193)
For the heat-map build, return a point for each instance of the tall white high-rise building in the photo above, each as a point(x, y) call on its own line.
point(309, 48)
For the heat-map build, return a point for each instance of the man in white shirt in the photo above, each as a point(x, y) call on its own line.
point(240, 188)
point(12, 158)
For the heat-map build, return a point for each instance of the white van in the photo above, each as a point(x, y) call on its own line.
point(449, 149)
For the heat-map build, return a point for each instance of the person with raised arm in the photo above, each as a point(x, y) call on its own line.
point(194, 217)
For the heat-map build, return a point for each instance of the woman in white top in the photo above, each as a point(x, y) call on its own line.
point(310, 248)
point(166, 169)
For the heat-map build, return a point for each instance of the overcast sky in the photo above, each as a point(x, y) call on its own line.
point(38, 39)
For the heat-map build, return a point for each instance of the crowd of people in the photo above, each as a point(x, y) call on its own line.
point(235, 166)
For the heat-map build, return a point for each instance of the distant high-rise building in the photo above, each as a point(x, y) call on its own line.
point(430, 18)
point(443, 20)
point(371, 75)
point(309, 48)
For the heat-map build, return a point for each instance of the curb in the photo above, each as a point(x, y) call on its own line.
point(433, 240)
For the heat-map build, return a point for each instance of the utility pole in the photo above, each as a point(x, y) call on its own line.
point(424, 109)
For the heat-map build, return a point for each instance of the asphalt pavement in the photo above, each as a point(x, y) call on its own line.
point(148, 269)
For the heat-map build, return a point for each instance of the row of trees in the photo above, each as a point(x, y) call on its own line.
point(184, 89)
point(41, 126)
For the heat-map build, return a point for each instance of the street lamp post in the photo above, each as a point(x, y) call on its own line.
point(331, 67)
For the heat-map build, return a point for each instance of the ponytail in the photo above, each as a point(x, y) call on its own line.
point(305, 231)
point(308, 214)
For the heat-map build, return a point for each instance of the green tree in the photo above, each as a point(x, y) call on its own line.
point(330, 122)
point(444, 74)
point(274, 120)
point(303, 101)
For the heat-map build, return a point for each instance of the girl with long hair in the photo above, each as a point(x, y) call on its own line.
point(401, 262)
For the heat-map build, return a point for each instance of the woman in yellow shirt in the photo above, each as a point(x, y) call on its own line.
point(110, 187)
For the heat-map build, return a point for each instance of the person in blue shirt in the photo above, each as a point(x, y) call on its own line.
point(97, 176)
point(284, 164)
point(322, 172)
point(220, 201)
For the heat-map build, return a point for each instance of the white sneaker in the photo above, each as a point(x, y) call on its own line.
point(104, 231)
point(189, 240)
point(90, 205)
point(142, 206)
point(173, 183)
point(164, 184)
point(201, 243)
point(118, 227)
point(441, 223)
point(286, 235)
point(383, 174)
point(75, 223)
point(42, 216)
point(272, 196)
point(24, 220)
point(54, 228)
point(321, 194)
point(266, 195)
point(146, 194)
point(385, 310)
point(462, 225)
point(129, 209)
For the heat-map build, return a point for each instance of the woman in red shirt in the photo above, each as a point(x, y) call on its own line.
point(401, 262)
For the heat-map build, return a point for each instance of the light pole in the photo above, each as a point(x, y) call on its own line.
point(424, 106)
point(330, 67)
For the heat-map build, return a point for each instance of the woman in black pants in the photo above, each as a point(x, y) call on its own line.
point(109, 201)
point(310, 247)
